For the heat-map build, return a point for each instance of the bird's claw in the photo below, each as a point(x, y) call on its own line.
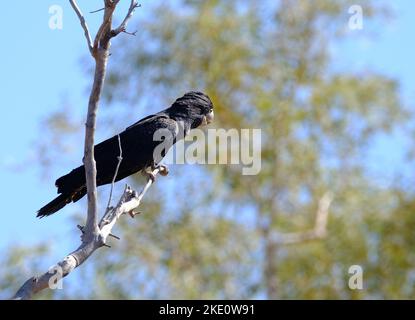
point(133, 213)
point(105, 222)
point(163, 170)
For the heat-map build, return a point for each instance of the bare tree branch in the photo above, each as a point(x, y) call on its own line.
point(100, 53)
point(89, 160)
point(83, 24)
point(318, 232)
point(123, 26)
point(119, 158)
point(128, 202)
point(98, 10)
point(94, 235)
point(105, 28)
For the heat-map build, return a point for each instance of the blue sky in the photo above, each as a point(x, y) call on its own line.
point(390, 52)
point(39, 66)
point(38, 69)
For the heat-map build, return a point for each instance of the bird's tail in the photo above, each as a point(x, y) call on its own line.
point(71, 188)
point(56, 204)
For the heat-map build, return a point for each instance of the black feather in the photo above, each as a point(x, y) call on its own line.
point(137, 148)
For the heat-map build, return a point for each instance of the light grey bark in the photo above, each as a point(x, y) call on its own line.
point(94, 235)
point(129, 201)
point(275, 240)
point(318, 232)
point(100, 52)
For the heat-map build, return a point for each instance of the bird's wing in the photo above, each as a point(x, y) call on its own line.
point(162, 141)
point(111, 145)
point(149, 118)
point(137, 137)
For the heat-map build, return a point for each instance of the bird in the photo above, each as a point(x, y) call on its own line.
point(137, 144)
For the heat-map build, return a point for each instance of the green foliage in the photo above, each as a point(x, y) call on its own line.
point(206, 232)
point(18, 264)
point(269, 67)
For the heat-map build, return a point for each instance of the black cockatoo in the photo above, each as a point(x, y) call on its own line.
point(192, 110)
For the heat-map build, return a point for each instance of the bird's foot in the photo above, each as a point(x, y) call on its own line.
point(149, 171)
point(105, 222)
point(133, 213)
point(151, 176)
point(163, 169)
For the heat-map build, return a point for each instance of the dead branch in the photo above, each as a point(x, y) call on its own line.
point(83, 24)
point(94, 235)
point(128, 202)
point(123, 25)
point(318, 232)
point(119, 158)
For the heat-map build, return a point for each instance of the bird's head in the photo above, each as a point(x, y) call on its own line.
point(195, 107)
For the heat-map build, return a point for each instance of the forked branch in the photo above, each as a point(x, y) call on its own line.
point(128, 202)
point(318, 232)
point(123, 26)
point(94, 235)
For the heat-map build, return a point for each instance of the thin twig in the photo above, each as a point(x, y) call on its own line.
point(119, 158)
point(131, 33)
point(95, 11)
point(83, 24)
point(123, 26)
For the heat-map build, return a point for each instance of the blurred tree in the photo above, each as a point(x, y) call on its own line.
point(267, 65)
point(208, 231)
point(19, 262)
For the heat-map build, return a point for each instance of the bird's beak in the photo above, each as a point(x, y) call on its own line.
point(209, 117)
